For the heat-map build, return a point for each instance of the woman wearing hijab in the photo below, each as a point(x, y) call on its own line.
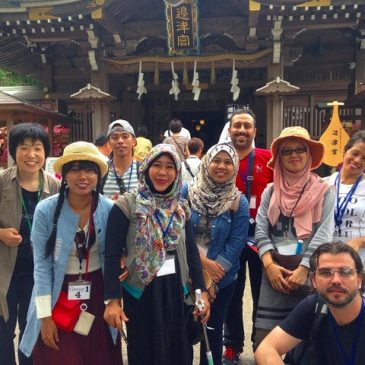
point(295, 216)
point(154, 230)
point(220, 219)
point(68, 239)
point(22, 186)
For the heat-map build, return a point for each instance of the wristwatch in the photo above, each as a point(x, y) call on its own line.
point(107, 301)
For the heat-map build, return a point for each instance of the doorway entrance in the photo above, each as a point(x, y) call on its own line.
point(205, 125)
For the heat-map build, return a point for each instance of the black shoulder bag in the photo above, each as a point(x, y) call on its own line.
point(309, 351)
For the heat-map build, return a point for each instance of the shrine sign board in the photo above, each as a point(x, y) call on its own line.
point(182, 27)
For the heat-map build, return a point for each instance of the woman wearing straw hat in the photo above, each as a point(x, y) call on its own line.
point(220, 219)
point(153, 227)
point(68, 239)
point(22, 186)
point(295, 216)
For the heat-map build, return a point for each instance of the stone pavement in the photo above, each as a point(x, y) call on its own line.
point(246, 357)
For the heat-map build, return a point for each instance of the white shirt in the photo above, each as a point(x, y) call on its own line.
point(194, 163)
point(353, 220)
point(184, 132)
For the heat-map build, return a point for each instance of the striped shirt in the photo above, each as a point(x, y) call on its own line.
point(129, 178)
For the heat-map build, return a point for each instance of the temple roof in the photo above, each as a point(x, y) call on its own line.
point(33, 34)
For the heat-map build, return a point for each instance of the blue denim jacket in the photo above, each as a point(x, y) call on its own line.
point(227, 237)
point(49, 272)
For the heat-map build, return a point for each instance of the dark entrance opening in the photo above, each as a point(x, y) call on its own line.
point(205, 125)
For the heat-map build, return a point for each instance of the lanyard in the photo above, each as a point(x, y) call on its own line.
point(244, 177)
point(30, 220)
point(80, 256)
point(119, 179)
point(164, 231)
point(351, 360)
point(341, 208)
point(296, 203)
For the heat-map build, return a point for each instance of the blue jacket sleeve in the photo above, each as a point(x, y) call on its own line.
point(43, 266)
point(236, 240)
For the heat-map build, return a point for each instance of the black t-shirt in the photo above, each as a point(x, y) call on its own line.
point(24, 261)
point(298, 324)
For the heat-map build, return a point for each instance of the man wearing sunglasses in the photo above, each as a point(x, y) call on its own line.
point(337, 275)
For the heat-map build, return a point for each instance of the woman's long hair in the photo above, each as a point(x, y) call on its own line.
point(51, 242)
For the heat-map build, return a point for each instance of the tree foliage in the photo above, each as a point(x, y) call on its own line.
point(9, 78)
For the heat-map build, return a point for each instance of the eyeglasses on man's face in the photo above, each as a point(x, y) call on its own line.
point(328, 272)
point(290, 151)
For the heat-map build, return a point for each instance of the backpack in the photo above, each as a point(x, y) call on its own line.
point(308, 351)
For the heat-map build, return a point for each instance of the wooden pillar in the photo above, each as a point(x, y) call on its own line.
point(9, 125)
point(274, 104)
point(101, 109)
point(360, 79)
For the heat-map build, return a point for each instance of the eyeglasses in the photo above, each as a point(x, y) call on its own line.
point(290, 151)
point(344, 272)
point(80, 240)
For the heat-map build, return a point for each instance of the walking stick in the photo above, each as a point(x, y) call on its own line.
point(200, 305)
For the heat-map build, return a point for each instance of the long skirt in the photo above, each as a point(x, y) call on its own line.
point(97, 348)
point(156, 328)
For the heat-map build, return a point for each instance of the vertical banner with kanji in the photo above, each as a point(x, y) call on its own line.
point(182, 27)
point(334, 138)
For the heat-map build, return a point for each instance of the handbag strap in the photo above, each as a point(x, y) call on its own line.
point(250, 175)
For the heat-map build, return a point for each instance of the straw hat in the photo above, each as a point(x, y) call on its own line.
point(316, 148)
point(81, 151)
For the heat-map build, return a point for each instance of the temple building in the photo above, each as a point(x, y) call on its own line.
point(148, 61)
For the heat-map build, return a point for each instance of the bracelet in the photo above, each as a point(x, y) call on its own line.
point(267, 266)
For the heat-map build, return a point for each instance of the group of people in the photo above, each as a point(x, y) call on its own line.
point(131, 241)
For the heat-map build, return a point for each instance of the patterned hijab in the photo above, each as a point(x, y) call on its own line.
point(160, 218)
point(208, 197)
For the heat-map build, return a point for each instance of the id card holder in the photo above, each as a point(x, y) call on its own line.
point(253, 202)
point(79, 290)
point(84, 323)
point(168, 266)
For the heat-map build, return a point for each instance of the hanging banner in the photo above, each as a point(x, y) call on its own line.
point(334, 138)
point(182, 27)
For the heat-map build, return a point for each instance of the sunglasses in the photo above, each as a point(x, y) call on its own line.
point(80, 240)
point(290, 151)
point(344, 272)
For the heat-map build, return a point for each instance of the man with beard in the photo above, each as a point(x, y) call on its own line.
point(337, 274)
point(252, 178)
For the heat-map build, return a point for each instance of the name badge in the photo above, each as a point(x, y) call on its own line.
point(168, 267)
point(79, 290)
point(253, 202)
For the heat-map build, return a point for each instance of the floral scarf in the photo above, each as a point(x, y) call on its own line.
point(160, 218)
point(206, 196)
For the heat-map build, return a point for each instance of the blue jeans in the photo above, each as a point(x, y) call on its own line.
point(18, 298)
point(218, 312)
point(234, 333)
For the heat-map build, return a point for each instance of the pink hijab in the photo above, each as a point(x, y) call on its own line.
point(288, 187)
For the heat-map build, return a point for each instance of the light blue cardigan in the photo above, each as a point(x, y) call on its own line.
point(49, 272)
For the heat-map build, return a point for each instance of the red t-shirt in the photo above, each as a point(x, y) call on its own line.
point(262, 175)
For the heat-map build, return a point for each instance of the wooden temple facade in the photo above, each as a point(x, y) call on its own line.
point(317, 46)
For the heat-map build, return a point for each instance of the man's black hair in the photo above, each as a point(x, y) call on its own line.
point(175, 126)
point(101, 140)
point(335, 248)
point(243, 111)
point(194, 145)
